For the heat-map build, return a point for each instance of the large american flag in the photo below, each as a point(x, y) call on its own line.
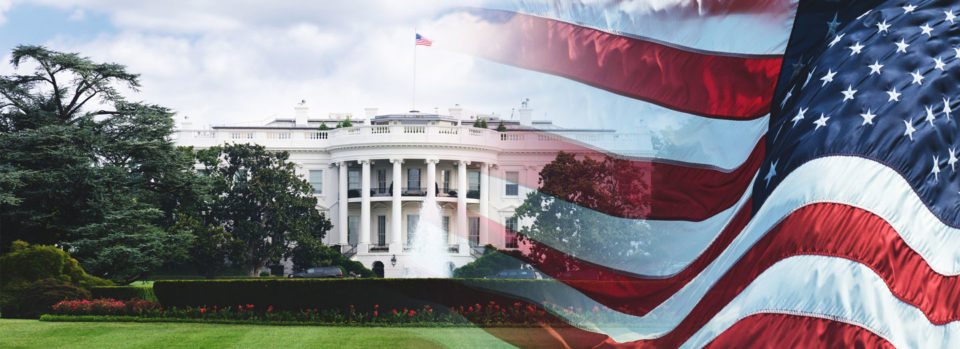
point(816, 200)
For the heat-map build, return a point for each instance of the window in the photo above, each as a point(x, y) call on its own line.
point(474, 223)
point(353, 222)
point(510, 233)
point(413, 179)
point(353, 180)
point(412, 221)
point(473, 180)
point(381, 230)
point(316, 181)
point(445, 225)
point(512, 178)
point(445, 179)
point(381, 181)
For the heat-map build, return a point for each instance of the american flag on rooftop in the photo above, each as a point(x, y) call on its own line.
point(819, 205)
point(423, 41)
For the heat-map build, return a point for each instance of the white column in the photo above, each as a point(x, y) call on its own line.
point(396, 244)
point(364, 240)
point(342, 211)
point(462, 207)
point(431, 177)
point(484, 203)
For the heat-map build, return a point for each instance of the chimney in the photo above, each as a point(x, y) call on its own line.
point(456, 111)
point(526, 114)
point(186, 124)
point(301, 112)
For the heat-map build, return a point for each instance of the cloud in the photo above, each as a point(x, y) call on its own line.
point(248, 62)
point(4, 7)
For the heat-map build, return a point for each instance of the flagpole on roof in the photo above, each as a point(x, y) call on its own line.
point(414, 94)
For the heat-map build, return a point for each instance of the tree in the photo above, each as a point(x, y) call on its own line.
point(483, 123)
point(491, 262)
point(83, 167)
point(593, 209)
point(346, 122)
point(262, 203)
point(323, 126)
point(501, 127)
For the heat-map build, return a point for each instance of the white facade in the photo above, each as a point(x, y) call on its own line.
point(355, 172)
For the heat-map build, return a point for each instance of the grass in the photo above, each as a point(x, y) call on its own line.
point(37, 334)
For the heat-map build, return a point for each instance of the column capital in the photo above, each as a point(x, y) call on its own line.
point(463, 162)
point(431, 160)
point(396, 160)
point(364, 161)
point(341, 163)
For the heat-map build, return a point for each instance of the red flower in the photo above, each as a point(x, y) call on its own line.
point(430, 310)
point(203, 310)
point(375, 306)
point(595, 308)
point(351, 306)
point(270, 309)
point(411, 313)
point(394, 312)
point(470, 309)
point(249, 306)
point(374, 313)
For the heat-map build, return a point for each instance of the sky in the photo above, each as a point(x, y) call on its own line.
point(244, 62)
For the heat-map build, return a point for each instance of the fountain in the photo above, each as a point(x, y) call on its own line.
point(428, 256)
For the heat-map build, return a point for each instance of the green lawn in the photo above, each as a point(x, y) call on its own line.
point(113, 335)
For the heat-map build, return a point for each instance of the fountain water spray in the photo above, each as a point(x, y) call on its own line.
point(429, 256)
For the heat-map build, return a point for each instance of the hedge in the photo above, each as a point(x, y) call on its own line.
point(124, 292)
point(296, 294)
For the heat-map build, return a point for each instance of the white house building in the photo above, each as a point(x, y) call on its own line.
point(371, 179)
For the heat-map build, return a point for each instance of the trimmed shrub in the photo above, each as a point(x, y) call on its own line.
point(298, 294)
point(36, 298)
point(492, 262)
point(26, 265)
point(124, 292)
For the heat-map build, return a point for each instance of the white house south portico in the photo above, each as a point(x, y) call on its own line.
point(372, 179)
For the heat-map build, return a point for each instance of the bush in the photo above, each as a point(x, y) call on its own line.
point(299, 294)
point(492, 262)
point(124, 292)
point(35, 299)
point(26, 265)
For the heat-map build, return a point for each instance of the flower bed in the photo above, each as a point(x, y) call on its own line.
point(491, 314)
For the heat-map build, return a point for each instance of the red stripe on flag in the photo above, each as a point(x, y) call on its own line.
point(826, 229)
point(709, 85)
point(664, 191)
point(795, 331)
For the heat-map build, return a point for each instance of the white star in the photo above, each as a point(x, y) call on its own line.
point(848, 94)
point(867, 117)
point(809, 75)
point(828, 78)
point(909, 8)
point(882, 27)
point(910, 130)
point(953, 158)
point(785, 98)
point(833, 24)
point(926, 30)
point(936, 169)
point(902, 46)
point(771, 173)
point(836, 39)
point(855, 48)
point(950, 16)
point(930, 117)
point(938, 63)
point(946, 107)
point(796, 119)
point(894, 95)
point(875, 67)
point(917, 78)
point(821, 122)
